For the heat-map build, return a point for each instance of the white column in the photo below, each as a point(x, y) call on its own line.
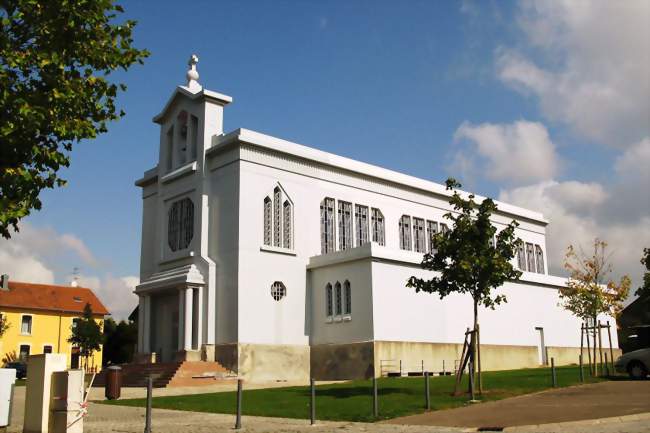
point(188, 318)
point(181, 318)
point(199, 317)
point(140, 324)
point(147, 324)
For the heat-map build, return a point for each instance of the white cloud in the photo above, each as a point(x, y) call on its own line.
point(115, 293)
point(635, 162)
point(517, 152)
point(20, 265)
point(593, 71)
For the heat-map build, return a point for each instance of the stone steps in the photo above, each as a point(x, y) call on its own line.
point(186, 373)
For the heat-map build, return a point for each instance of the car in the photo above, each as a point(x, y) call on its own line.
point(635, 363)
point(20, 367)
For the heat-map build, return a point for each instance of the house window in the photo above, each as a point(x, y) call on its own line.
point(180, 225)
point(521, 256)
point(268, 225)
point(329, 309)
point(26, 325)
point(277, 225)
point(361, 221)
point(530, 257)
point(47, 349)
point(444, 228)
point(345, 225)
point(419, 235)
point(432, 230)
point(286, 232)
point(278, 290)
point(377, 221)
point(338, 299)
point(540, 259)
point(405, 232)
point(327, 225)
point(23, 352)
point(348, 297)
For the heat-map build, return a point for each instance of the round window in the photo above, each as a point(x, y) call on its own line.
point(278, 290)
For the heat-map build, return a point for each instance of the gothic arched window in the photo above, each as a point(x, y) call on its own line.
point(329, 309)
point(286, 219)
point(345, 225)
point(348, 298)
point(268, 224)
point(277, 225)
point(377, 222)
point(338, 299)
point(327, 225)
point(405, 232)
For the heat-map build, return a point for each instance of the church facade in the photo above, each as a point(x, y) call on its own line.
point(283, 262)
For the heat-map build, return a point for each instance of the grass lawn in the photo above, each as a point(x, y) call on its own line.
point(352, 401)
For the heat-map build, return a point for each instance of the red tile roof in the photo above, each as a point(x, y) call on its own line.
point(49, 297)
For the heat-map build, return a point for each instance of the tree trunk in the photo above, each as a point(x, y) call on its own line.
point(474, 341)
point(595, 359)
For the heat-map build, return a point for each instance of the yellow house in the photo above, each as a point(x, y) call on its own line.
point(41, 318)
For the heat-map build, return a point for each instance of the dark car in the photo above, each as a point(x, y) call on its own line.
point(20, 367)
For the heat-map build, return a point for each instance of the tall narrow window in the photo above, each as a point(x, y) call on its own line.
point(26, 325)
point(286, 211)
point(329, 309)
point(277, 225)
point(338, 299)
point(169, 149)
point(419, 235)
point(348, 297)
point(540, 259)
point(23, 352)
point(521, 256)
point(377, 221)
point(405, 232)
point(444, 228)
point(361, 221)
point(181, 142)
point(345, 225)
point(180, 224)
point(194, 135)
point(327, 225)
point(530, 257)
point(432, 230)
point(268, 225)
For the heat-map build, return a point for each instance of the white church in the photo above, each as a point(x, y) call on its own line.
point(283, 262)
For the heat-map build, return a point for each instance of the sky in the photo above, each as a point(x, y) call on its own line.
point(545, 105)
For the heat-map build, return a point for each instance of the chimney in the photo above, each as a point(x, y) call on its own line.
point(4, 282)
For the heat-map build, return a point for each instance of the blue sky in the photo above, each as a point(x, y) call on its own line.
point(432, 89)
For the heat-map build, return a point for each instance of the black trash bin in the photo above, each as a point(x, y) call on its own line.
point(113, 385)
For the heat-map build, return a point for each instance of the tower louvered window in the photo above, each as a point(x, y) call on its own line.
point(180, 224)
point(432, 230)
point(419, 235)
point(361, 221)
point(377, 223)
point(327, 225)
point(521, 256)
point(345, 225)
point(540, 259)
point(530, 257)
point(268, 224)
point(405, 232)
point(287, 219)
point(277, 224)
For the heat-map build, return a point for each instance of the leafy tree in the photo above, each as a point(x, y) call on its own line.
point(644, 290)
point(119, 341)
point(467, 257)
point(590, 291)
point(4, 325)
point(86, 335)
point(56, 58)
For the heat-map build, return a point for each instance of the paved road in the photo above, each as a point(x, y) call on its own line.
point(600, 400)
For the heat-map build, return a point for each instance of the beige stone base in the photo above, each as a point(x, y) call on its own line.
point(342, 361)
point(263, 363)
point(571, 355)
point(188, 355)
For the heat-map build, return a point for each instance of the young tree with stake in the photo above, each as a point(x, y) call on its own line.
point(471, 257)
point(86, 335)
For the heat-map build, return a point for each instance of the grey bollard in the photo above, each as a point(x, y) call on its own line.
point(427, 394)
point(313, 402)
point(375, 398)
point(147, 419)
point(553, 374)
point(582, 373)
point(239, 393)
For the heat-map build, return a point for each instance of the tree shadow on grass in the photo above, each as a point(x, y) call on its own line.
point(352, 392)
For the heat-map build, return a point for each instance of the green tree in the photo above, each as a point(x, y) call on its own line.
point(471, 257)
point(56, 58)
point(86, 335)
point(119, 341)
point(644, 290)
point(4, 325)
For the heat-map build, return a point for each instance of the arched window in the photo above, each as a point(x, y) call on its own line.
point(268, 225)
point(530, 256)
point(327, 225)
point(338, 299)
point(432, 230)
point(277, 224)
point(287, 219)
point(348, 297)
point(345, 225)
point(419, 235)
point(181, 140)
point(361, 221)
point(521, 256)
point(405, 232)
point(278, 290)
point(377, 221)
point(540, 259)
point(180, 224)
point(329, 309)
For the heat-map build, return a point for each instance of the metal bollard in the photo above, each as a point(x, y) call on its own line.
point(147, 419)
point(427, 394)
point(582, 373)
point(239, 393)
point(375, 398)
point(553, 373)
point(313, 402)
